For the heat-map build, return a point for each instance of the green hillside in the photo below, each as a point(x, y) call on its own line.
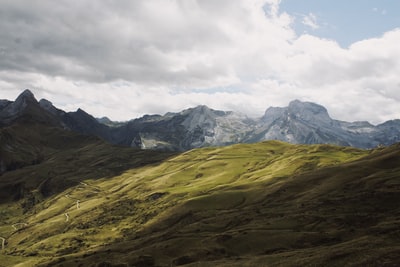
point(265, 204)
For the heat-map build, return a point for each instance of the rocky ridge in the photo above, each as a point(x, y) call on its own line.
point(298, 123)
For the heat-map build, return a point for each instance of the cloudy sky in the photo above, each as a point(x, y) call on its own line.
point(127, 58)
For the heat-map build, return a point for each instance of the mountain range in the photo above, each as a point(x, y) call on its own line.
point(70, 198)
point(298, 123)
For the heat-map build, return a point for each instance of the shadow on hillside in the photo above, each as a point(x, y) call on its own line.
point(348, 215)
point(65, 169)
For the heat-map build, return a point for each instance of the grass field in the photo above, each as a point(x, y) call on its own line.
point(265, 204)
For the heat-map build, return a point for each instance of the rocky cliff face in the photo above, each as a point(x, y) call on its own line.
point(309, 123)
point(191, 128)
point(299, 123)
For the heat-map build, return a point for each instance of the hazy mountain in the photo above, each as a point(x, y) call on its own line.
point(299, 123)
point(110, 123)
point(309, 123)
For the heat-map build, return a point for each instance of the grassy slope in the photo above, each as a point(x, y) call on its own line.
point(50, 160)
point(270, 204)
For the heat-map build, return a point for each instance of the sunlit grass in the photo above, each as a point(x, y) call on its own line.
point(267, 202)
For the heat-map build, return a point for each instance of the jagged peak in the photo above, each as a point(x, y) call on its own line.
point(271, 111)
point(79, 110)
point(104, 120)
point(307, 111)
point(203, 109)
point(26, 94)
point(298, 105)
point(83, 114)
point(22, 101)
point(45, 103)
point(199, 108)
point(48, 106)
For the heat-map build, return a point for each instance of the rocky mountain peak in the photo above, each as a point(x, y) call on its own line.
point(83, 116)
point(24, 98)
point(81, 111)
point(26, 94)
point(201, 116)
point(48, 106)
point(306, 107)
point(201, 108)
point(104, 120)
point(12, 109)
point(27, 108)
point(299, 122)
point(307, 111)
point(273, 113)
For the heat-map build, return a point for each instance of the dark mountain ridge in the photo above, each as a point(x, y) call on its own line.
point(299, 123)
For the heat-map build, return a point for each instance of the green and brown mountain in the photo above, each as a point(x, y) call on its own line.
point(72, 199)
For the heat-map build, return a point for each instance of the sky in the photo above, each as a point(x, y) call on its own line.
point(127, 58)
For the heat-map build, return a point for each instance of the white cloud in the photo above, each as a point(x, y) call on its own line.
point(311, 21)
point(127, 58)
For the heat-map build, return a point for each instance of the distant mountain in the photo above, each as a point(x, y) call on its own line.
point(191, 128)
point(110, 123)
point(37, 135)
point(27, 108)
point(72, 199)
point(24, 108)
point(309, 123)
point(299, 123)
